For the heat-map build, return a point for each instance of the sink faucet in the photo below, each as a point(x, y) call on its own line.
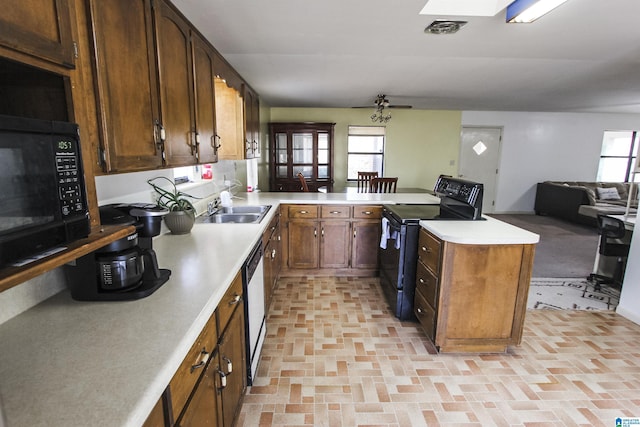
point(212, 206)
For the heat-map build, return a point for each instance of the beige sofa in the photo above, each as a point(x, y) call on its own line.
point(580, 201)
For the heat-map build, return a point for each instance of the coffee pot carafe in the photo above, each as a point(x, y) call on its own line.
point(127, 268)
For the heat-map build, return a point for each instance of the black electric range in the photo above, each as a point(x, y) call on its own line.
point(460, 200)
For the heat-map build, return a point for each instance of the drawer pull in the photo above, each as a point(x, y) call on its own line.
point(419, 310)
point(303, 212)
point(236, 299)
point(223, 379)
point(422, 280)
point(426, 249)
point(335, 212)
point(229, 364)
point(367, 212)
point(203, 361)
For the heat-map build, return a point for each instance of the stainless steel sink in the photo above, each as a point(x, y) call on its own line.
point(236, 215)
point(244, 209)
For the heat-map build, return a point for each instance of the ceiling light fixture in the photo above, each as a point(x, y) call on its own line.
point(529, 10)
point(379, 115)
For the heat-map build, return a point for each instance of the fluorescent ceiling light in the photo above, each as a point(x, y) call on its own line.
point(530, 10)
point(464, 7)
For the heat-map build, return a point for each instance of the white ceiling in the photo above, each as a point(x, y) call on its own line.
point(582, 57)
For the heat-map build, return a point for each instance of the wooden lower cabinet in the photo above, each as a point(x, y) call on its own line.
point(208, 387)
point(472, 298)
point(331, 238)
point(271, 241)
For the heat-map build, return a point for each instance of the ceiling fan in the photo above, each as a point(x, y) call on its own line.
point(382, 102)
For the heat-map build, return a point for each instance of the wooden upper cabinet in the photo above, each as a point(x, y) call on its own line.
point(176, 82)
point(251, 123)
point(205, 111)
point(126, 84)
point(45, 34)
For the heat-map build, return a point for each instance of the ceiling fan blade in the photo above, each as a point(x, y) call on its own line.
point(400, 106)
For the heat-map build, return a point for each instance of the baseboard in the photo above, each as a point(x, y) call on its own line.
point(633, 316)
point(511, 213)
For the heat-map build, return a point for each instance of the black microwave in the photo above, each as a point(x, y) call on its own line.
point(43, 200)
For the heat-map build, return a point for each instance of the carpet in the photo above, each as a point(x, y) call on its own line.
point(570, 294)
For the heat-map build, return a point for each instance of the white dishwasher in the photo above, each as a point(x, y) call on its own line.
point(255, 325)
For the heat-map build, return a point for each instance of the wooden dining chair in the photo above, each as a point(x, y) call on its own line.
point(383, 185)
point(364, 181)
point(303, 181)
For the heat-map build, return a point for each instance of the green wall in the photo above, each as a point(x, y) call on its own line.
point(420, 144)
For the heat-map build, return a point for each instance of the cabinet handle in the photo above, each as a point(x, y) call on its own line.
point(223, 379)
point(215, 142)
point(334, 212)
point(236, 299)
point(303, 212)
point(421, 280)
point(322, 232)
point(229, 364)
point(315, 232)
point(354, 233)
point(426, 249)
point(419, 310)
point(273, 254)
point(367, 212)
point(203, 360)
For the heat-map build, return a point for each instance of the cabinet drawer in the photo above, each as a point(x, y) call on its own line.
point(192, 366)
point(426, 315)
point(429, 249)
point(303, 211)
point(231, 299)
point(367, 212)
point(427, 284)
point(335, 211)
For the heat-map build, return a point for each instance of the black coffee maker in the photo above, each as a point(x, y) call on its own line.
point(126, 269)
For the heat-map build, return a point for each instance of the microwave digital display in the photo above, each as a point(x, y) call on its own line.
point(43, 203)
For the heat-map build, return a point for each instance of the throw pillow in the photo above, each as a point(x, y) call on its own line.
point(610, 193)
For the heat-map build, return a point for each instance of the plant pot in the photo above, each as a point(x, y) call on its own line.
point(180, 222)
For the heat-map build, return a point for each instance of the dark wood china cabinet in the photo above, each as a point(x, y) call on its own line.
point(301, 147)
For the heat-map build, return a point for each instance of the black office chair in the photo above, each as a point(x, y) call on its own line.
point(611, 230)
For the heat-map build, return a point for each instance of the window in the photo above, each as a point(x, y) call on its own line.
point(365, 150)
point(618, 156)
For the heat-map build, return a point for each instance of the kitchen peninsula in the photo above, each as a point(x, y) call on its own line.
point(73, 363)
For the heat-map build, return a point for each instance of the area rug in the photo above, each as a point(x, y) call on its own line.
point(570, 294)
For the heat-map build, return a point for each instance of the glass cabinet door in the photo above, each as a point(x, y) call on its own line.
point(282, 155)
point(301, 148)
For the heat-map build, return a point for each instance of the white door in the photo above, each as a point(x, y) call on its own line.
point(479, 160)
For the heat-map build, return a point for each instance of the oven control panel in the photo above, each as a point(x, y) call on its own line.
point(459, 189)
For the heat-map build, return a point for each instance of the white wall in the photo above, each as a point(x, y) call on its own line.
point(556, 146)
point(538, 147)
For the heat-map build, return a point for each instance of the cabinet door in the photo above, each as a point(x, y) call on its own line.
point(268, 274)
point(205, 406)
point(41, 28)
point(366, 239)
point(125, 67)
point(176, 94)
point(205, 112)
point(232, 354)
point(303, 244)
point(251, 123)
point(334, 244)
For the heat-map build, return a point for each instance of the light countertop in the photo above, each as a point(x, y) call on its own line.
point(489, 231)
point(70, 363)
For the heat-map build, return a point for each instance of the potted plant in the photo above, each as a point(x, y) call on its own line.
point(182, 213)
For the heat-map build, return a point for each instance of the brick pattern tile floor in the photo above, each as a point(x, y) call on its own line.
point(336, 356)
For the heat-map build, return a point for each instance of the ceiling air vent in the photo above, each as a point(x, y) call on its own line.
point(444, 26)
